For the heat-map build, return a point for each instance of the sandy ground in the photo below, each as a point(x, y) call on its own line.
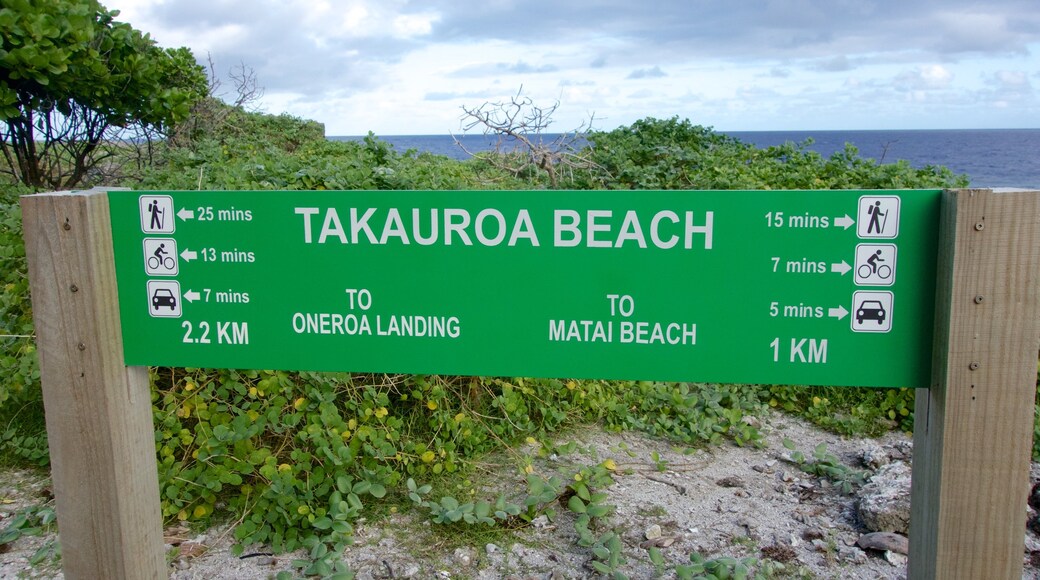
point(726, 501)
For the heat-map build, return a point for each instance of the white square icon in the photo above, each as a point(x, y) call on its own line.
point(871, 311)
point(878, 216)
point(875, 264)
point(160, 256)
point(157, 215)
point(164, 298)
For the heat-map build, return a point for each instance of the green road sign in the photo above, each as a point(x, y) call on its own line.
point(777, 287)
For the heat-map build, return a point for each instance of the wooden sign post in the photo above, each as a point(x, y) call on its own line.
point(972, 435)
point(99, 411)
point(973, 429)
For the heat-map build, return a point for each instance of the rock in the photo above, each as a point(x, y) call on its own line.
point(653, 532)
point(192, 550)
point(411, 571)
point(491, 548)
point(902, 450)
point(885, 542)
point(731, 481)
point(884, 503)
point(875, 457)
point(540, 522)
point(896, 559)
point(780, 553)
point(662, 542)
point(1034, 497)
point(463, 556)
point(1034, 524)
point(852, 555)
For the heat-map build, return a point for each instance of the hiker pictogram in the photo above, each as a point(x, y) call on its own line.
point(157, 216)
point(878, 216)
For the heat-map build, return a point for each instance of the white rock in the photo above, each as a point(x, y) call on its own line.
point(874, 457)
point(884, 503)
point(462, 556)
point(897, 560)
point(653, 532)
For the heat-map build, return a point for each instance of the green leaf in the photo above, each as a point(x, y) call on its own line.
point(576, 505)
point(323, 523)
point(377, 490)
point(656, 557)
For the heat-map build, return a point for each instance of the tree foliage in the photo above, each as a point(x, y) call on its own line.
point(73, 79)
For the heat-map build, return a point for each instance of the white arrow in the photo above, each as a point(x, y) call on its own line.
point(186, 214)
point(192, 296)
point(844, 222)
point(189, 255)
point(838, 312)
point(842, 268)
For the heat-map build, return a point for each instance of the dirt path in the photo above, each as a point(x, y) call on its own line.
point(722, 502)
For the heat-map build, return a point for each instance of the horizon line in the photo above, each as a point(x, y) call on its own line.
point(463, 134)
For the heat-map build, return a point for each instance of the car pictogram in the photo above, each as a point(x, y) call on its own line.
point(164, 297)
point(870, 310)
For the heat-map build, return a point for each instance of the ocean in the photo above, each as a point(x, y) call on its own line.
point(989, 157)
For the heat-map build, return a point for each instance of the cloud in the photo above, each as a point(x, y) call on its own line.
point(928, 77)
point(971, 30)
point(375, 62)
point(409, 25)
point(834, 64)
point(1006, 87)
point(573, 83)
point(499, 68)
point(647, 73)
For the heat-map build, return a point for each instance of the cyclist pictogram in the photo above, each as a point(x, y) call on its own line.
point(875, 264)
point(160, 256)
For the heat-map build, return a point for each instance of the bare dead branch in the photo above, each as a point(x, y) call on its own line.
point(519, 126)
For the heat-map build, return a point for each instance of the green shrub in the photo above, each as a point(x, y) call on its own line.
point(295, 457)
point(675, 154)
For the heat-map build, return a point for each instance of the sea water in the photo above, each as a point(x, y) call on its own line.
point(989, 157)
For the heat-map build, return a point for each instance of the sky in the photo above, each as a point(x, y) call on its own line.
point(400, 67)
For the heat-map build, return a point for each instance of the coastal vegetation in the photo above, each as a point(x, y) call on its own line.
point(294, 458)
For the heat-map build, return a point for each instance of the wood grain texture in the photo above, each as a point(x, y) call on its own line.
point(973, 428)
point(99, 420)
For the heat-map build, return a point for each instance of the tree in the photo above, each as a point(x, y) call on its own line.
point(73, 80)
